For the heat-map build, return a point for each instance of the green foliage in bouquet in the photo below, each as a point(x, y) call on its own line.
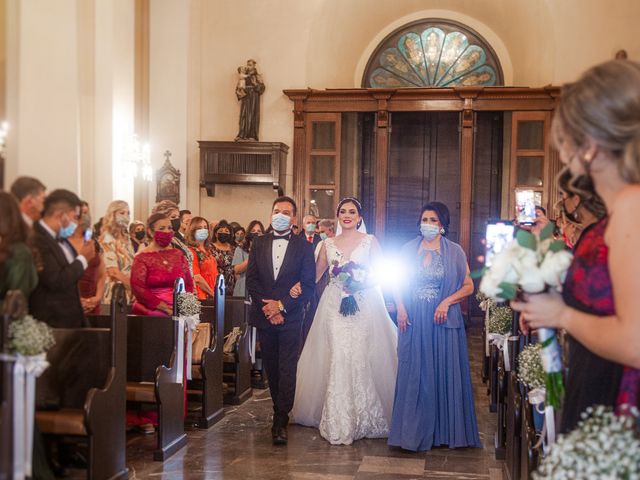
point(530, 370)
point(29, 336)
point(188, 304)
point(500, 318)
point(603, 446)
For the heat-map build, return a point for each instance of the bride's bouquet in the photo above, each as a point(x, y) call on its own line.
point(354, 278)
point(532, 264)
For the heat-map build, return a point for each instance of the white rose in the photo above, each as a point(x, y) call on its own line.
point(489, 286)
point(531, 280)
point(502, 266)
point(554, 267)
point(358, 274)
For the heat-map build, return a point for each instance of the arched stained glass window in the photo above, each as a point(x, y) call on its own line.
point(433, 53)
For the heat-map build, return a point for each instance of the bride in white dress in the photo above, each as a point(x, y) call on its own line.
point(347, 371)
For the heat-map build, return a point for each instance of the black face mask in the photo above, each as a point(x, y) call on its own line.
point(175, 224)
point(224, 237)
point(140, 235)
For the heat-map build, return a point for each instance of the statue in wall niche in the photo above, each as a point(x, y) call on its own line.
point(248, 90)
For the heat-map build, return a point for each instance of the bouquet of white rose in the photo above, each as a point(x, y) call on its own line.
point(532, 264)
point(603, 446)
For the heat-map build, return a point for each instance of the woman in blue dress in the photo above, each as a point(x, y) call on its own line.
point(433, 398)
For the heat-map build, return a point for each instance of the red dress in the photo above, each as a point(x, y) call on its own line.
point(205, 265)
point(591, 379)
point(153, 275)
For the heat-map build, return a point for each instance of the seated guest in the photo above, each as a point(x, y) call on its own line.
point(170, 209)
point(185, 219)
point(223, 249)
point(117, 251)
point(205, 266)
point(137, 234)
point(156, 269)
point(91, 285)
point(17, 268)
point(56, 299)
point(30, 193)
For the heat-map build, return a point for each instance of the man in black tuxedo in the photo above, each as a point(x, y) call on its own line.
point(56, 299)
point(277, 261)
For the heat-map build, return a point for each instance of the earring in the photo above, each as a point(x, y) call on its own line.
point(587, 158)
point(442, 231)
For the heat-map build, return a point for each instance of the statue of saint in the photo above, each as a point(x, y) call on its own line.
point(248, 90)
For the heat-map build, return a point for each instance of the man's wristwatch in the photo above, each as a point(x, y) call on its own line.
point(281, 306)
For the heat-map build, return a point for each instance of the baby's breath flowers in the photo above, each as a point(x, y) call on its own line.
point(188, 304)
point(603, 446)
point(500, 318)
point(530, 370)
point(29, 336)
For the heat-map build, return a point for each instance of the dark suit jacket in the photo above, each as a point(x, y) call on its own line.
point(298, 266)
point(316, 239)
point(56, 299)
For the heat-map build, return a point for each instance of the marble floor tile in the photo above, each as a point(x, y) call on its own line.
point(239, 448)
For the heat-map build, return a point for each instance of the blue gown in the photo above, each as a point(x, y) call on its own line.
point(433, 398)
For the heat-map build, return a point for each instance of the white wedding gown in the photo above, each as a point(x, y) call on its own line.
point(347, 370)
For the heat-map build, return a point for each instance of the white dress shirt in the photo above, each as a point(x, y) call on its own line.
point(278, 252)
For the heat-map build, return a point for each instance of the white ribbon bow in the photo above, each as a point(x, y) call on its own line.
point(502, 342)
point(537, 397)
point(192, 322)
point(25, 371)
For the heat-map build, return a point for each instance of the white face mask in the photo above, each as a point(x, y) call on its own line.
point(201, 234)
point(429, 232)
point(280, 222)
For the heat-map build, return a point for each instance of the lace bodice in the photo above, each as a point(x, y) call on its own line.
point(360, 254)
point(428, 280)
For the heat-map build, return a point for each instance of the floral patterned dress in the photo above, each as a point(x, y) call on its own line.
point(116, 253)
point(591, 379)
point(225, 266)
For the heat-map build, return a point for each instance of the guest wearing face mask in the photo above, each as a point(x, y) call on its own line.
point(170, 209)
point(137, 234)
point(433, 402)
point(205, 266)
point(239, 234)
point(117, 251)
point(92, 283)
point(223, 249)
point(241, 257)
point(309, 223)
point(56, 299)
point(156, 269)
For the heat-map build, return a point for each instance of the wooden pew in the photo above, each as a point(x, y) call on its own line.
point(14, 306)
point(237, 365)
point(87, 375)
point(206, 381)
point(530, 455)
point(151, 375)
point(513, 428)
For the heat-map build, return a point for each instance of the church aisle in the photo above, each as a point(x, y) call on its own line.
point(239, 448)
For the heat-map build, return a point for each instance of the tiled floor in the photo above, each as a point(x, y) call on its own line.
point(239, 448)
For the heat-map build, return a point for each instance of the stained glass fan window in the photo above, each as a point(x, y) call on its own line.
point(433, 53)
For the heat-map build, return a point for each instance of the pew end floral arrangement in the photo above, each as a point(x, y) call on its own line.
point(531, 264)
point(603, 446)
point(530, 370)
point(30, 337)
point(188, 304)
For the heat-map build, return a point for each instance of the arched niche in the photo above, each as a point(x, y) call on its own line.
point(433, 52)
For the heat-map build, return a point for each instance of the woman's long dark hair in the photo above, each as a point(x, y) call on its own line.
point(13, 229)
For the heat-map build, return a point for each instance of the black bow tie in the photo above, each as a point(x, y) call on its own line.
point(286, 236)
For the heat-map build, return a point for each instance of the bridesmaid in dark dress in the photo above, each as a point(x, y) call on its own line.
point(596, 129)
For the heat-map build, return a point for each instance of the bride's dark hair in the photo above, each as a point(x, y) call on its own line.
point(349, 200)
